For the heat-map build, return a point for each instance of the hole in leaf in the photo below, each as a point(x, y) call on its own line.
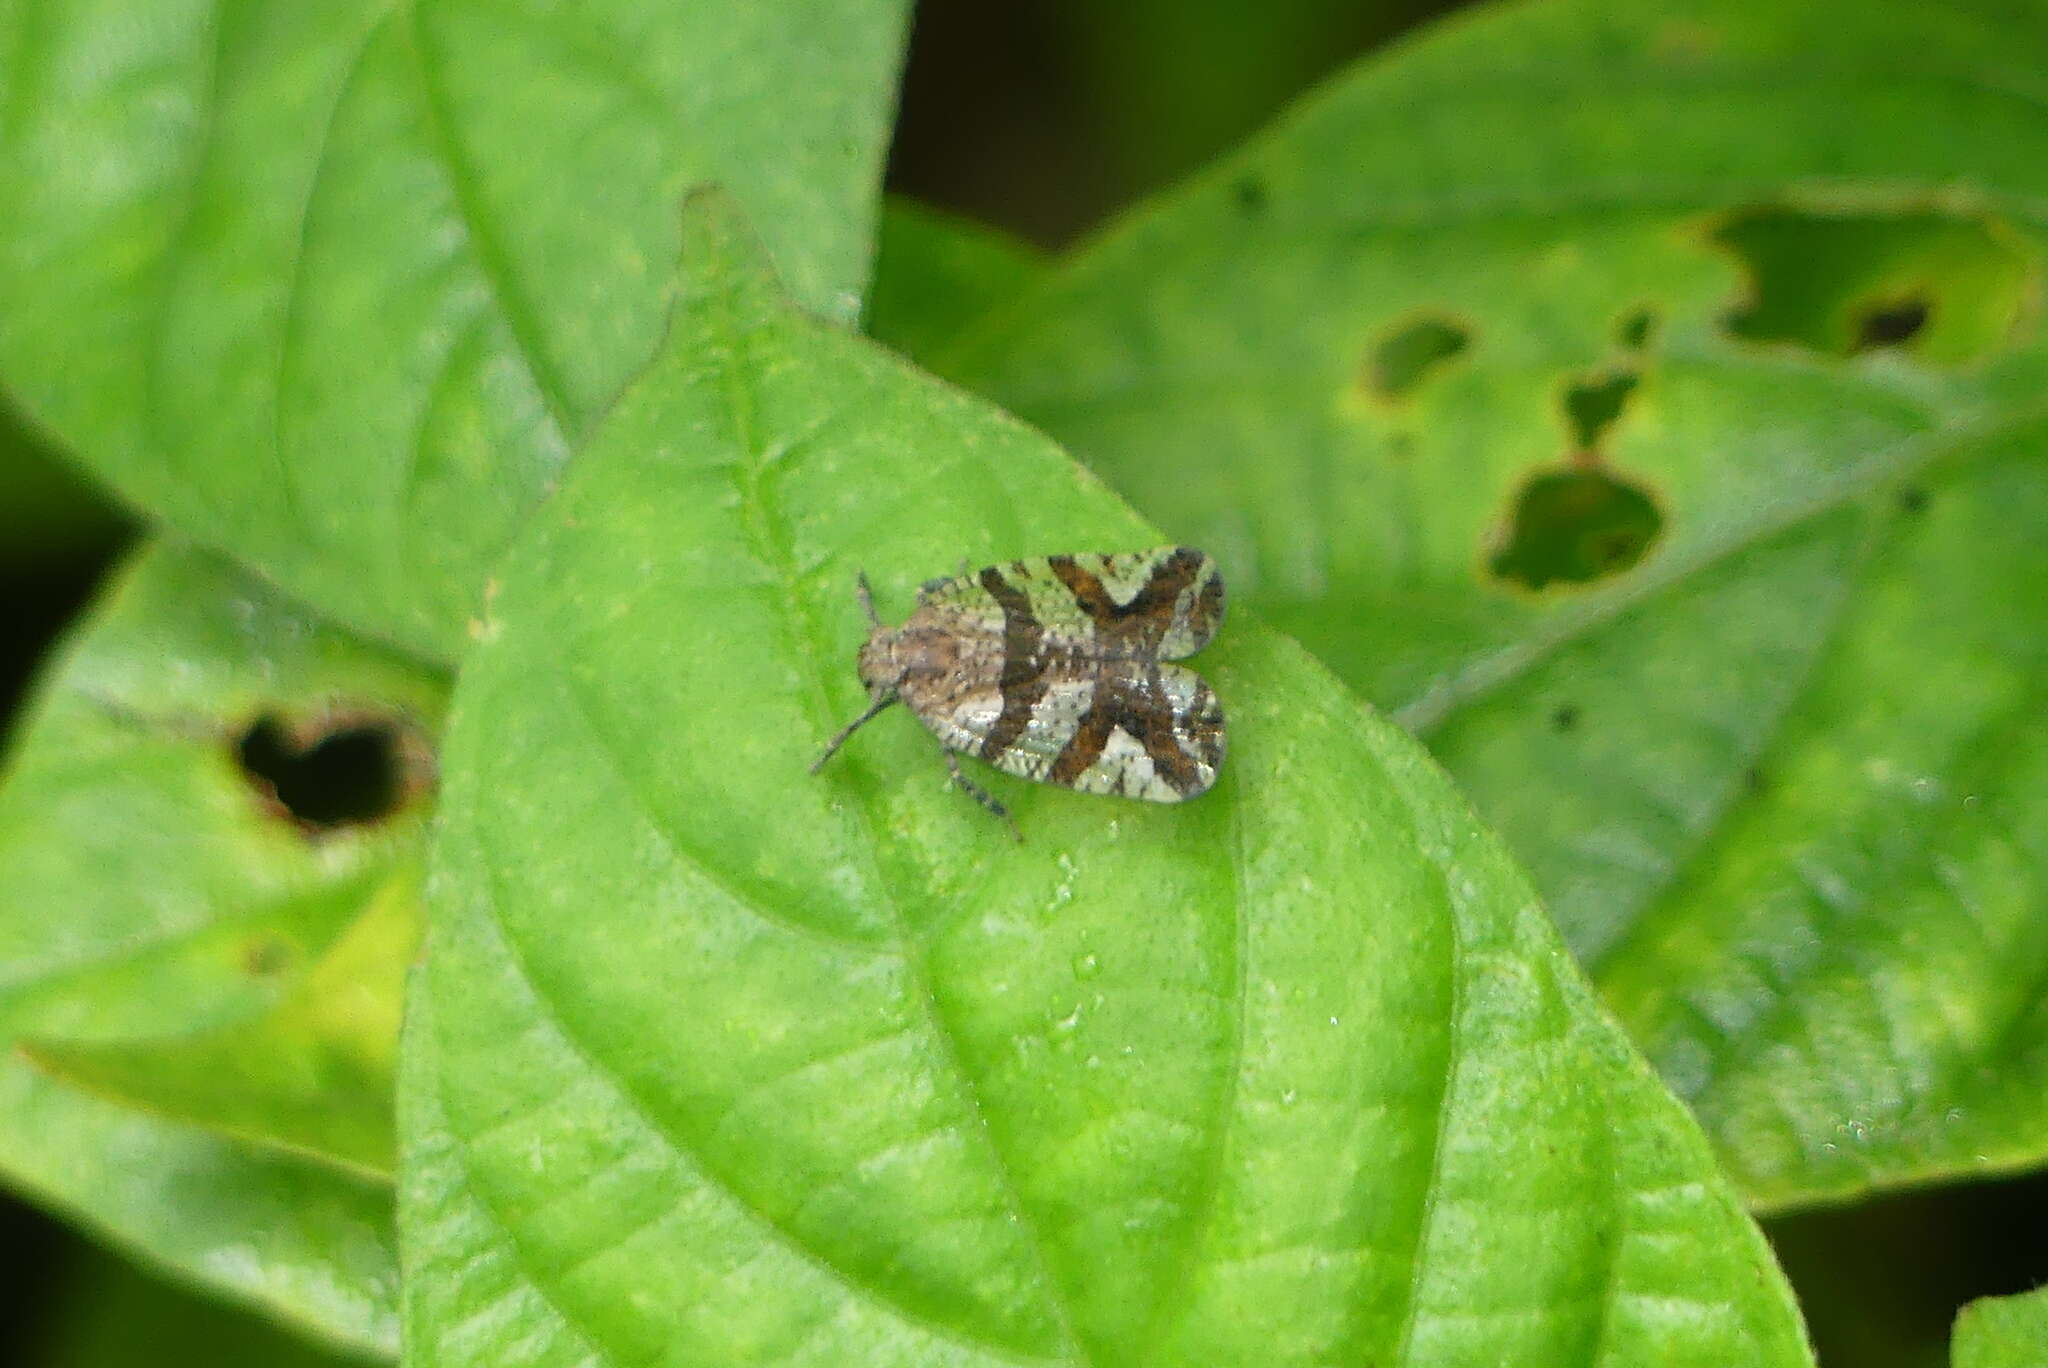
point(1890, 325)
point(1406, 355)
point(347, 772)
point(1250, 194)
point(1943, 288)
point(1591, 405)
point(1636, 328)
point(1575, 526)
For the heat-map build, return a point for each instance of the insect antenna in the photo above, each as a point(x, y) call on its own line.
point(875, 705)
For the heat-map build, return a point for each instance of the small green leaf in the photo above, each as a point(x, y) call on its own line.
point(935, 273)
point(2004, 1332)
point(312, 1075)
point(340, 287)
point(302, 1241)
point(189, 896)
point(714, 1061)
point(1706, 561)
point(154, 885)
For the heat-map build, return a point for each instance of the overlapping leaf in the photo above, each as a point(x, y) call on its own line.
point(2003, 1332)
point(339, 287)
point(1648, 408)
point(199, 987)
point(716, 1062)
point(935, 273)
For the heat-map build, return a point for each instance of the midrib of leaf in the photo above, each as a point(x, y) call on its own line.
point(764, 523)
point(295, 282)
point(492, 261)
point(1419, 1263)
point(370, 1175)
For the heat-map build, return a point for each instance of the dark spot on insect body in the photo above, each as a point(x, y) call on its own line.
point(348, 770)
point(1753, 780)
point(1565, 718)
point(1912, 499)
point(1250, 194)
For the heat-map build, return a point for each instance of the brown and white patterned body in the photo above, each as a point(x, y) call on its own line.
point(1058, 669)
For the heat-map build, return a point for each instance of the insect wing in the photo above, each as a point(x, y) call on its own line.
point(1146, 605)
point(1153, 732)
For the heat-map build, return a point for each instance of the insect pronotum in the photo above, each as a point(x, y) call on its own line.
point(1057, 669)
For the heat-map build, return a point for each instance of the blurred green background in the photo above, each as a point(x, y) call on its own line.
point(1042, 118)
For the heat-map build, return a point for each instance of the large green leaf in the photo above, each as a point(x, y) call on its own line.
point(715, 1062)
point(2004, 1332)
point(1648, 409)
point(198, 961)
point(339, 287)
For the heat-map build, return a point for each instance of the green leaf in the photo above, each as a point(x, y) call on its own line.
point(220, 969)
point(339, 288)
point(108, 1314)
point(2004, 1332)
point(303, 1241)
point(313, 1075)
point(715, 1061)
point(1647, 410)
point(936, 272)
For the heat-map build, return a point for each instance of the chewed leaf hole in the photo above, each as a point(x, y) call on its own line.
point(1636, 329)
point(1573, 527)
point(1941, 288)
point(1591, 405)
point(351, 772)
point(1404, 357)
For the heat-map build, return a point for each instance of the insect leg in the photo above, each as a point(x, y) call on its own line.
point(875, 705)
point(866, 597)
point(981, 795)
